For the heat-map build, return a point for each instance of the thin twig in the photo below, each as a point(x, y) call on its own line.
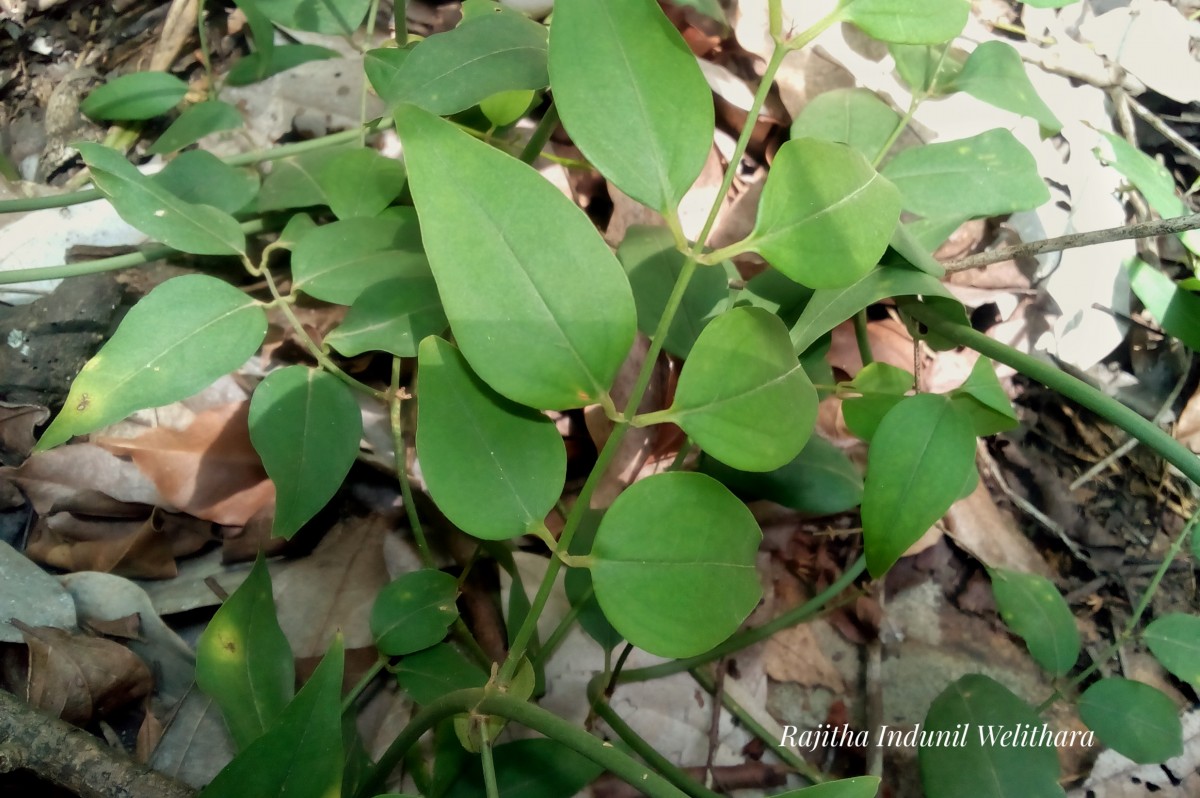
point(1158, 227)
point(1168, 132)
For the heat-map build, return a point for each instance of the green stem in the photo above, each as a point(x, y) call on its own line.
point(672, 772)
point(862, 338)
point(541, 134)
point(913, 104)
point(372, 13)
point(559, 634)
point(485, 701)
point(1074, 389)
point(491, 790)
point(356, 691)
point(148, 253)
point(205, 56)
point(1130, 627)
point(400, 451)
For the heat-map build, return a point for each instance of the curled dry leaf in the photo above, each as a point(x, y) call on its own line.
point(17, 423)
point(83, 478)
point(208, 469)
point(80, 678)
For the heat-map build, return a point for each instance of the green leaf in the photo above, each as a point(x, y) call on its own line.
point(855, 117)
point(176, 341)
point(880, 387)
point(775, 293)
point(830, 307)
point(195, 123)
point(472, 729)
point(360, 182)
point(653, 265)
point(413, 611)
point(537, 768)
point(494, 468)
point(298, 225)
point(632, 97)
point(505, 107)
point(578, 586)
point(243, 661)
point(985, 175)
point(140, 95)
point(1174, 639)
point(196, 229)
point(1134, 719)
point(920, 455)
point(709, 8)
point(1151, 179)
point(820, 481)
point(200, 178)
point(924, 69)
point(955, 761)
point(260, 66)
point(394, 317)
point(857, 787)
point(301, 756)
point(1032, 607)
point(673, 564)
point(293, 182)
point(339, 262)
point(430, 674)
point(499, 237)
point(318, 16)
point(906, 22)
point(994, 73)
point(756, 417)
point(826, 215)
point(983, 399)
point(305, 425)
point(1176, 310)
point(452, 71)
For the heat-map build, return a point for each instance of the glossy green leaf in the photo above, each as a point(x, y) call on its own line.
point(857, 787)
point(537, 768)
point(994, 73)
point(953, 766)
point(757, 416)
point(394, 317)
point(907, 249)
point(1174, 639)
point(826, 215)
point(200, 178)
point(820, 481)
point(538, 303)
point(176, 341)
point(673, 564)
point(906, 22)
point(243, 661)
point(430, 674)
point(495, 468)
point(983, 399)
point(505, 107)
point(879, 388)
point(1134, 719)
point(831, 306)
point(1151, 179)
point(317, 16)
point(258, 66)
point(925, 69)
point(197, 229)
point(305, 425)
point(1176, 310)
point(920, 456)
point(653, 265)
point(301, 756)
point(856, 117)
point(298, 225)
point(360, 182)
point(632, 97)
point(262, 31)
point(338, 262)
point(196, 122)
point(775, 293)
point(452, 71)
point(293, 182)
point(1032, 607)
point(413, 611)
point(140, 95)
point(985, 175)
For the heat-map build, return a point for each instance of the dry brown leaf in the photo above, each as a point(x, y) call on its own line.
point(80, 678)
point(1187, 431)
point(17, 423)
point(208, 469)
point(85, 479)
point(333, 589)
point(979, 527)
point(148, 736)
point(794, 655)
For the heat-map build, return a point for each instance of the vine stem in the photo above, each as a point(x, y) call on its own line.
point(1072, 388)
point(400, 456)
point(488, 701)
point(491, 790)
point(1127, 633)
